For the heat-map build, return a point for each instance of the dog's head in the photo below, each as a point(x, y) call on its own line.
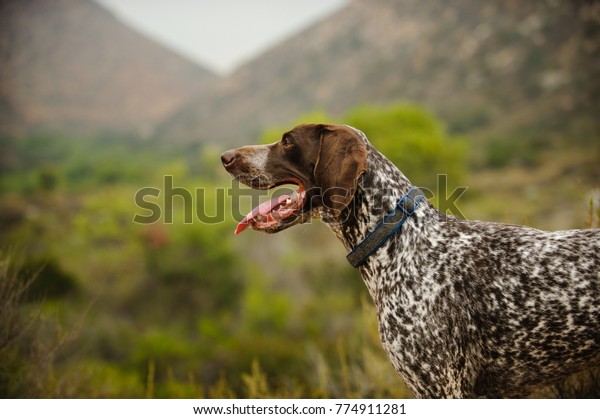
point(323, 161)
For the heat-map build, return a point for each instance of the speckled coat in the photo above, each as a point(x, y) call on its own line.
point(471, 308)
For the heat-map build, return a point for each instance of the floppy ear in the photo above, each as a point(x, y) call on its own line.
point(342, 159)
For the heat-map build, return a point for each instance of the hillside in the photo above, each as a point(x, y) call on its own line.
point(70, 66)
point(489, 66)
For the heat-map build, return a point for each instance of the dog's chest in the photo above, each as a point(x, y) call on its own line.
point(413, 306)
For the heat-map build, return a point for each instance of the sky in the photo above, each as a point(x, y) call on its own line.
point(220, 34)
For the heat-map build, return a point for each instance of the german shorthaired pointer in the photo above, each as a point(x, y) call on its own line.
point(465, 308)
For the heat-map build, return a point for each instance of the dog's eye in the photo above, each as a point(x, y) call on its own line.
point(285, 141)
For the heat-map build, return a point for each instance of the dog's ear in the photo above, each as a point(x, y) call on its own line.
point(342, 160)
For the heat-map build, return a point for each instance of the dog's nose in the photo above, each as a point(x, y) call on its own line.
point(228, 158)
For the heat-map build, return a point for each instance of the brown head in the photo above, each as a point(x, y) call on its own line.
point(325, 162)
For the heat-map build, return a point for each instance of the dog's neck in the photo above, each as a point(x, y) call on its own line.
point(377, 195)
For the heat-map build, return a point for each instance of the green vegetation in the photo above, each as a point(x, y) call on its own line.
point(95, 305)
point(408, 135)
point(415, 141)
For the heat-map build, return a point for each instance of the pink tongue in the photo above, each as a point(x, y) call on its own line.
point(262, 209)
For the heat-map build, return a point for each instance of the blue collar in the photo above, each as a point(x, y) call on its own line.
point(386, 228)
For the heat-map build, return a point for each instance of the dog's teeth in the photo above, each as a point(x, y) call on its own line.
point(288, 201)
point(259, 217)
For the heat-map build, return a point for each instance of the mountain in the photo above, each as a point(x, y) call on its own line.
point(479, 65)
point(70, 66)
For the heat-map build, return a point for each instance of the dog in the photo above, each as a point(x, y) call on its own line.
point(465, 309)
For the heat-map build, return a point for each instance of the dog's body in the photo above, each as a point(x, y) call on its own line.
point(465, 308)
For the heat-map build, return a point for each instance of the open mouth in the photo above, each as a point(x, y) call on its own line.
point(278, 212)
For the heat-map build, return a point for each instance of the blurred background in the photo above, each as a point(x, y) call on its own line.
point(99, 99)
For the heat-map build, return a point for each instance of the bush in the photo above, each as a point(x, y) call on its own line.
point(409, 135)
point(414, 140)
point(520, 150)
